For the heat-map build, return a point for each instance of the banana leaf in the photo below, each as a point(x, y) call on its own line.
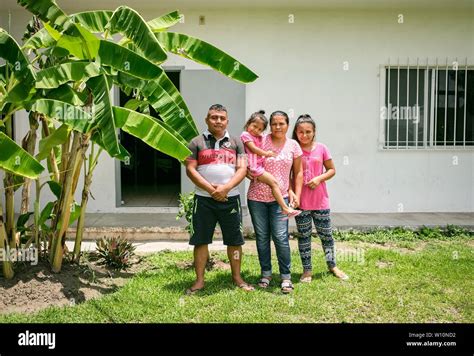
point(19, 65)
point(207, 54)
point(67, 94)
point(128, 22)
point(63, 112)
point(167, 101)
point(15, 159)
point(53, 77)
point(41, 39)
point(163, 22)
point(48, 11)
point(126, 61)
point(103, 113)
point(94, 21)
point(151, 131)
point(123, 155)
point(58, 137)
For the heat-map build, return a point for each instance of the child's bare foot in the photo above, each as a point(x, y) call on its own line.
point(306, 277)
point(338, 273)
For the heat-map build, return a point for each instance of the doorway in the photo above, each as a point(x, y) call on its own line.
point(150, 178)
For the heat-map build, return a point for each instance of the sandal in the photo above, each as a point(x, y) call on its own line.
point(286, 286)
point(246, 287)
point(191, 291)
point(264, 282)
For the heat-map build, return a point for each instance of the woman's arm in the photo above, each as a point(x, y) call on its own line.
point(330, 172)
point(297, 182)
point(258, 151)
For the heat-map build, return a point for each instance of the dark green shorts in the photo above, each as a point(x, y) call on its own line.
point(208, 212)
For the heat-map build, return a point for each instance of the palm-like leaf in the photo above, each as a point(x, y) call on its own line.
point(15, 159)
point(167, 101)
point(205, 53)
point(63, 112)
point(151, 131)
point(128, 22)
point(55, 76)
point(163, 22)
point(94, 21)
point(103, 113)
point(19, 65)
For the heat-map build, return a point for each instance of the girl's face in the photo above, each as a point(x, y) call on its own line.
point(305, 133)
point(279, 126)
point(256, 127)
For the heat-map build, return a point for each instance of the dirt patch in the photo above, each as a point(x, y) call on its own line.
point(35, 287)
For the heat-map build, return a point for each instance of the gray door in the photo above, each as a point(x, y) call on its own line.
point(202, 88)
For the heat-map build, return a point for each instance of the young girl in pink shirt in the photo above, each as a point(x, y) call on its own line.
point(252, 139)
point(318, 167)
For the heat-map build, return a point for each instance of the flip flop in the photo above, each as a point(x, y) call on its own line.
point(246, 287)
point(191, 291)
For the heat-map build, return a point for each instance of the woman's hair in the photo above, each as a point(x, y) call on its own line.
point(303, 119)
point(259, 115)
point(279, 113)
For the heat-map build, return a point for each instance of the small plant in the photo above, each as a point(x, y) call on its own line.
point(186, 206)
point(115, 252)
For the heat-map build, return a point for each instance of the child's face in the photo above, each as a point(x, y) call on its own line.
point(305, 133)
point(256, 128)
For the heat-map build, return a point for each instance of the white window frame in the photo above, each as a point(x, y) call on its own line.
point(428, 137)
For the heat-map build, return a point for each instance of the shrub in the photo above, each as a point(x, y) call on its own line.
point(186, 206)
point(115, 252)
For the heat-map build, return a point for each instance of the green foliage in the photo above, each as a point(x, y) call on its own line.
point(186, 206)
point(382, 235)
point(115, 252)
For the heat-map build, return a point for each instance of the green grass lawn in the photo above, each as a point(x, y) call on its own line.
point(410, 282)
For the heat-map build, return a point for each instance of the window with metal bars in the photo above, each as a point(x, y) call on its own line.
point(429, 106)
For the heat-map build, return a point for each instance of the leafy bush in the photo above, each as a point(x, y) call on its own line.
point(115, 252)
point(186, 206)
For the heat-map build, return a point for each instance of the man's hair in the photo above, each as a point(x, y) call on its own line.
point(218, 107)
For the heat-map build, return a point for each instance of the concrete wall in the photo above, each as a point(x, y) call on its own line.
point(300, 66)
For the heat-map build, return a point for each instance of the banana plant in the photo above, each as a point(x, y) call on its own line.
point(73, 91)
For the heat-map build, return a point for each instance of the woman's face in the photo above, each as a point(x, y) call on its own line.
point(305, 133)
point(279, 126)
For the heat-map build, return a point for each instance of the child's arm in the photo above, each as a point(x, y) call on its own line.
point(258, 151)
point(330, 172)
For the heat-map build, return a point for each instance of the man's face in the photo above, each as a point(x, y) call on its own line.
point(217, 122)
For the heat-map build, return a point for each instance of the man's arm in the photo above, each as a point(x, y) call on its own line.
point(196, 178)
point(240, 173)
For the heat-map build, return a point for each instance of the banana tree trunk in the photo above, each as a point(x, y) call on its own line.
point(7, 267)
point(29, 144)
point(8, 183)
point(85, 198)
point(79, 146)
point(52, 157)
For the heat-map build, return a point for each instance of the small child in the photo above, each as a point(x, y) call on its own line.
point(252, 140)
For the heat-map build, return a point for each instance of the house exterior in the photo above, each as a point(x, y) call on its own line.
point(390, 84)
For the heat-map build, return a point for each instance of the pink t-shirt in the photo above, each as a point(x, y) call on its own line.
point(279, 166)
point(255, 161)
point(317, 198)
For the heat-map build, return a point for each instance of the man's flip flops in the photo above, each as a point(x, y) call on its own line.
point(191, 291)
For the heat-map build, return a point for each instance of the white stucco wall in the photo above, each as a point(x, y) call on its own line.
point(301, 71)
